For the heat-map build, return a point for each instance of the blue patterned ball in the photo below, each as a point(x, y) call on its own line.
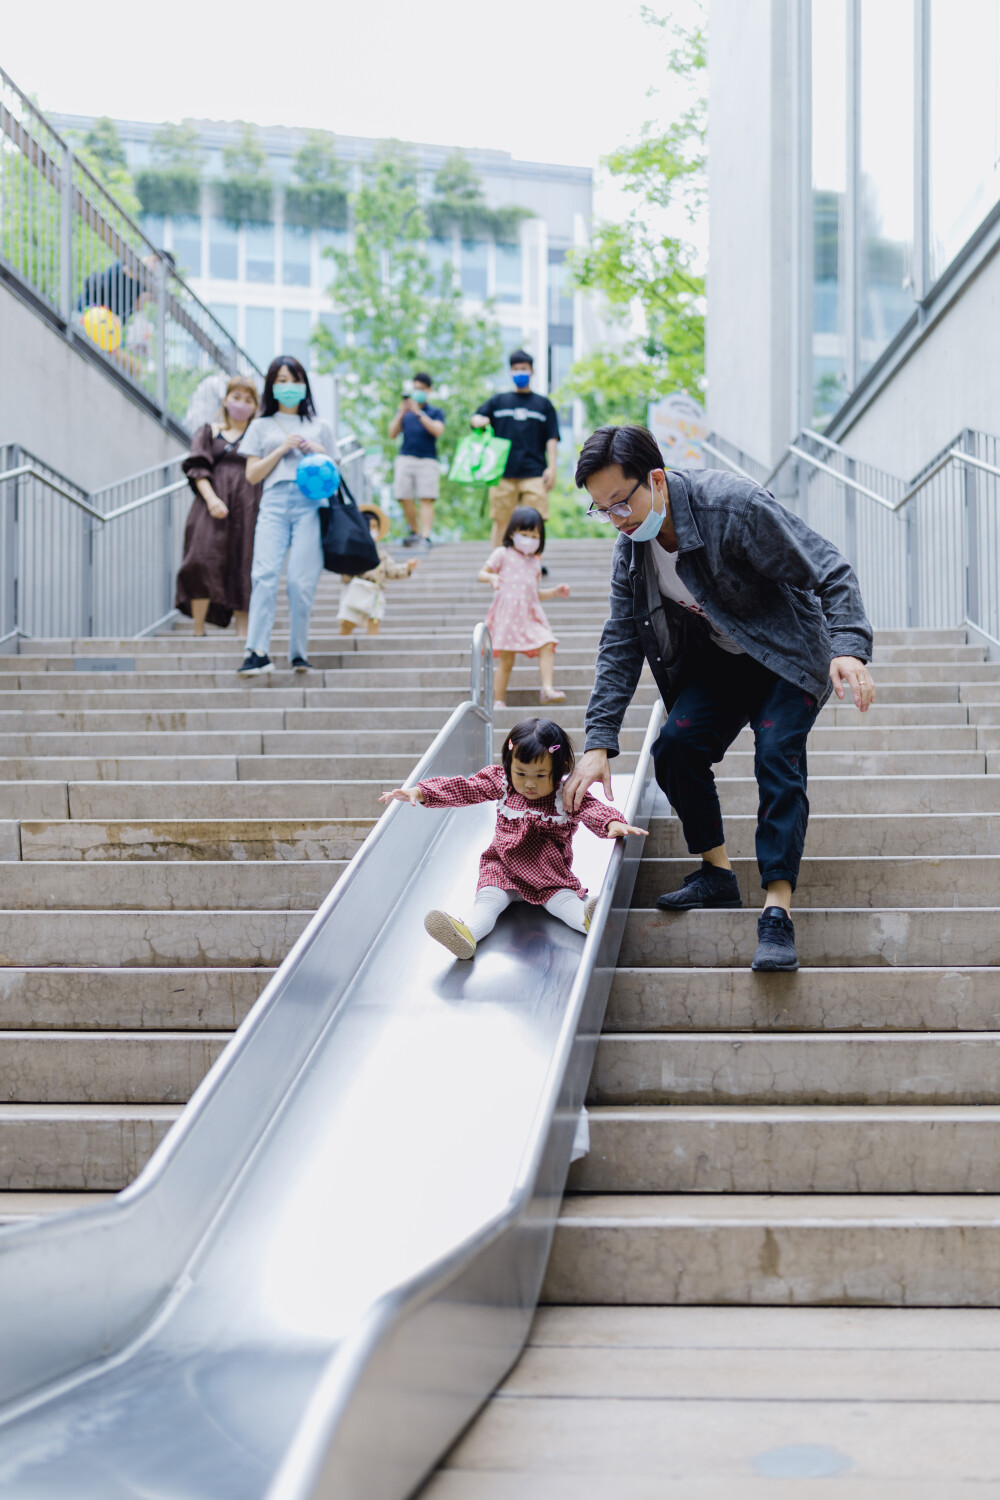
point(317, 476)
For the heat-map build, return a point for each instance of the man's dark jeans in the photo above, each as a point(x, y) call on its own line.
point(724, 693)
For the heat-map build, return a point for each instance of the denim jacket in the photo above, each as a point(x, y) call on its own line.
point(783, 592)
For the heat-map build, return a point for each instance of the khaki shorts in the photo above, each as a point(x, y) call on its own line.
point(416, 478)
point(506, 496)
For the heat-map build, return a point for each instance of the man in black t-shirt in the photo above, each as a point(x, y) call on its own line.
point(531, 424)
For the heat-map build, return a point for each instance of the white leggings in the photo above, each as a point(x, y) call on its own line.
point(491, 901)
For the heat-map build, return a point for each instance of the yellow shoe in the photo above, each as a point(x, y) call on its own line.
point(451, 933)
point(588, 912)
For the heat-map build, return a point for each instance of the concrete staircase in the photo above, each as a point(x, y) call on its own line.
point(167, 830)
point(832, 1136)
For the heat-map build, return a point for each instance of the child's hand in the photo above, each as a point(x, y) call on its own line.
point(411, 794)
point(563, 590)
point(413, 564)
point(622, 830)
point(495, 581)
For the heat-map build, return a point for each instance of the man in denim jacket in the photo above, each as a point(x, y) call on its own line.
point(745, 615)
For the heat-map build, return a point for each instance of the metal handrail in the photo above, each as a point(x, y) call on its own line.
point(84, 505)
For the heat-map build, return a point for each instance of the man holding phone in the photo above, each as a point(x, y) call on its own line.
point(417, 473)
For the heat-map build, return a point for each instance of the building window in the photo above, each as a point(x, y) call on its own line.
point(829, 183)
point(885, 193)
point(474, 262)
point(260, 252)
point(296, 255)
point(154, 227)
point(964, 123)
point(223, 264)
point(260, 335)
point(440, 253)
point(560, 289)
point(330, 242)
point(508, 277)
point(186, 243)
point(227, 314)
point(296, 328)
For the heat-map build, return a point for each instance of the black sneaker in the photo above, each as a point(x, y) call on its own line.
point(707, 887)
point(254, 665)
point(775, 943)
point(412, 540)
point(299, 664)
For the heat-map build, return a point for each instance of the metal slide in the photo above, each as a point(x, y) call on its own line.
point(334, 1257)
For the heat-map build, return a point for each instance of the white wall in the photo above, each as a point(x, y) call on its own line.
point(950, 381)
point(749, 247)
point(61, 407)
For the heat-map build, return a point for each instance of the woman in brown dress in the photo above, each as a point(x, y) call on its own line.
point(214, 579)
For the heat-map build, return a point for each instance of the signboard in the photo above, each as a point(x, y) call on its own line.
point(678, 424)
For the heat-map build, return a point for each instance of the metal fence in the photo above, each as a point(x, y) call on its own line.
point(104, 563)
point(87, 265)
point(925, 551)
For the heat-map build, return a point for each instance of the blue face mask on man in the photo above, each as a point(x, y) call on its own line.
point(420, 397)
point(521, 379)
point(649, 529)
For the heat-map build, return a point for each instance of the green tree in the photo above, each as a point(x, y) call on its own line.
point(172, 183)
point(637, 263)
point(459, 205)
point(103, 154)
point(103, 143)
point(246, 192)
point(317, 195)
point(399, 318)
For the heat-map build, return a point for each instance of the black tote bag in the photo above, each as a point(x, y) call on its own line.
point(348, 546)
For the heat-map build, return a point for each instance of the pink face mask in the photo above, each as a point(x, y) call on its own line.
point(240, 411)
point(526, 544)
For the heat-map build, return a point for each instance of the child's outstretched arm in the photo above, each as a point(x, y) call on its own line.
point(487, 575)
point(607, 822)
point(464, 791)
point(411, 794)
point(560, 591)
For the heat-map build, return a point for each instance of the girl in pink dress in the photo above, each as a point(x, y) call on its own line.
point(516, 619)
point(531, 856)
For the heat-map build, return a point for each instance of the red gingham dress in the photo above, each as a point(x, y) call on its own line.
point(532, 848)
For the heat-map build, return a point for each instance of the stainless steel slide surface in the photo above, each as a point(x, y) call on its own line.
point(335, 1256)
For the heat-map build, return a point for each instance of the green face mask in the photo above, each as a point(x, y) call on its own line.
point(289, 394)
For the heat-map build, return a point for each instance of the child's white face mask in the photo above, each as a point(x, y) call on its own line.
point(525, 544)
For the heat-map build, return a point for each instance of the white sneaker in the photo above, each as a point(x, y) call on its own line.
point(499, 704)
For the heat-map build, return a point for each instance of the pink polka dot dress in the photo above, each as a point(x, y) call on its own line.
point(516, 619)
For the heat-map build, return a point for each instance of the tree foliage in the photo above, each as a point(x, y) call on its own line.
point(458, 205)
point(172, 183)
point(399, 317)
point(103, 154)
point(246, 193)
point(637, 263)
point(317, 195)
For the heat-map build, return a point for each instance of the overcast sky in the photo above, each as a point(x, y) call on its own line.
point(543, 79)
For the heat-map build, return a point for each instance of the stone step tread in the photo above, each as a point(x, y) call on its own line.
point(824, 999)
point(867, 835)
point(880, 881)
point(100, 1113)
point(807, 1209)
point(192, 839)
point(202, 885)
point(16, 1207)
point(130, 939)
point(101, 999)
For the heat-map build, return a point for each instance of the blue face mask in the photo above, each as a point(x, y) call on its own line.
point(649, 529)
point(420, 397)
point(289, 394)
point(521, 379)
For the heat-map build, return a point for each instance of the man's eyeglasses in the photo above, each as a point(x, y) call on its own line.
point(621, 508)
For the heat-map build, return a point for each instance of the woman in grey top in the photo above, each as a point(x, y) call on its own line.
point(288, 521)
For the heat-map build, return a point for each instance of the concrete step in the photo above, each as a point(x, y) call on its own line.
point(876, 794)
point(865, 835)
point(800, 1068)
point(21, 1208)
point(814, 1249)
point(228, 721)
point(147, 700)
point(885, 880)
point(235, 885)
point(791, 1149)
point(144, 744)
point(101, 999)
point(932, 936)
point(78, 1147)
point(190, 839)
point(824, 999)
point(148, 939)
point(120, 768)
point(123, 1067)
point(159, 800)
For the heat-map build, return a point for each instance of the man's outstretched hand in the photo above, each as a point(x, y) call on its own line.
point(594, 766)
point(849, 671)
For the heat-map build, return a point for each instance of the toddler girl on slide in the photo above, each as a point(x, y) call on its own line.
point(531, 856)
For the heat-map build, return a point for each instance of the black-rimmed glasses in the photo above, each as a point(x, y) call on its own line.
point(621, 508)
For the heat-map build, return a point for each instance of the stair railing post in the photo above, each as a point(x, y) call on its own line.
point(913, 602)
point(160, 292)
point(970, 526)
point(66, 236)
point(10, 458)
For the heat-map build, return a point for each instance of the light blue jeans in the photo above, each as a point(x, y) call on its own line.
point(287, 525)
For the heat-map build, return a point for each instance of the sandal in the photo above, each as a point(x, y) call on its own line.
point(551, 695)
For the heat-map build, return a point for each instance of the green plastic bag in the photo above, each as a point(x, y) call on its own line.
point(480, 458)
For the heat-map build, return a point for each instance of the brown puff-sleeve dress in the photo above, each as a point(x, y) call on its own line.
point(218, 554)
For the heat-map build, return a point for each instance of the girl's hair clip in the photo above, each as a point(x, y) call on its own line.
point(555, 747)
